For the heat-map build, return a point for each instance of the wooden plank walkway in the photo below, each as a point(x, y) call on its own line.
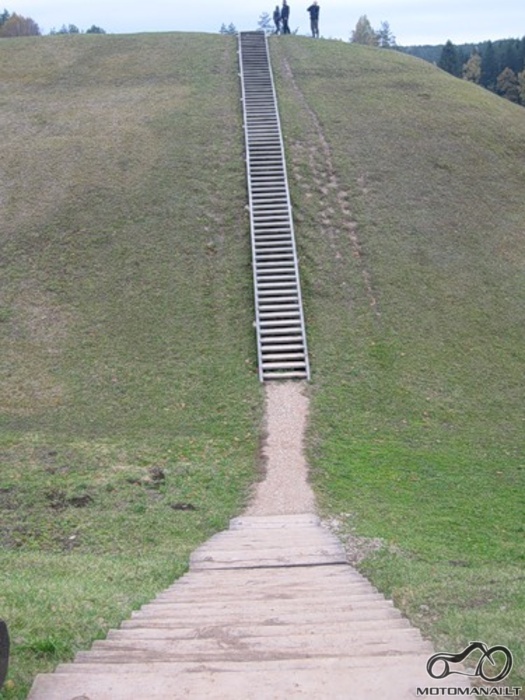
point(269, 609)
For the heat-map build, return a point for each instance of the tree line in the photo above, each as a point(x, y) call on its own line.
point(16, 25)
point(498, 66)
point(13, 25)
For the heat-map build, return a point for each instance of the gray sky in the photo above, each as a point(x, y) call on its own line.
point(411, 21)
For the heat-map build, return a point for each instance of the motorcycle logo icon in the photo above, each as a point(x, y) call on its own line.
point(486, 667)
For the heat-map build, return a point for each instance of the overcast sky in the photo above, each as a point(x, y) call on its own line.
point(411, 21)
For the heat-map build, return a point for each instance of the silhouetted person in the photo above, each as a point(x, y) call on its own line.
point(314, 19)
point(285, 16)
point(277, 19)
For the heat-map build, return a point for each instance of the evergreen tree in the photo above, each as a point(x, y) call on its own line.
point(385, 37)
point(4, 16)
point(450, 60)
point(265, 23)
point(95, 30)
point(489, 67)
point(230, 29)
point(522, 53)
point(511, 56)
point(364, 33)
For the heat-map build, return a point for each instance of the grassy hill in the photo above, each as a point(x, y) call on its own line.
point(130, 404)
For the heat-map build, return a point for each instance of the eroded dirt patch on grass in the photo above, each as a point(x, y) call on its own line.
point(357, 547)
point(324, 184)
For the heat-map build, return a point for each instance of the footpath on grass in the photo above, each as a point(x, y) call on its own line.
point(269, 609)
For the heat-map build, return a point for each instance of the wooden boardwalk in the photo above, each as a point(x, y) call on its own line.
point(269, 609)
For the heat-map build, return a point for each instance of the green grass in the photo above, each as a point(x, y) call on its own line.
point(408, 189)
point(126, 328)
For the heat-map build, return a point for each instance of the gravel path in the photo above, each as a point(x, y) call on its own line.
point(285, 490)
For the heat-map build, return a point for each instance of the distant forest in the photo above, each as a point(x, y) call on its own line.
point(498, 66)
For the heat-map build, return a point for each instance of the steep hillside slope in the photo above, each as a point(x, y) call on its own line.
point(130, 405)
point(408, 186)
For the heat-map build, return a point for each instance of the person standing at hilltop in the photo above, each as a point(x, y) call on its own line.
point(277, 19)
point(314, 19)
point(285, 16)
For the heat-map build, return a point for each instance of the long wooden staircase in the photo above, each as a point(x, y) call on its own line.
point(269, 609)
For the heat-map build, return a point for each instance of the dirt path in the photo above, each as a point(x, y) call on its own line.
point(285, 489)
